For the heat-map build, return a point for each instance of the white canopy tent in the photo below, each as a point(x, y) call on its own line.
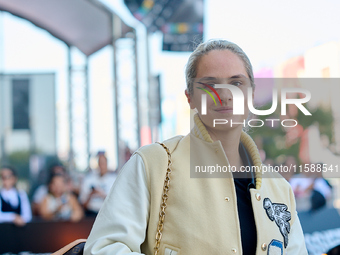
point(85, 24)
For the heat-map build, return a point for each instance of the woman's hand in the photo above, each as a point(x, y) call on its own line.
point(58, 210)
point(18, 221)
point(99, 193)
point(77, 211)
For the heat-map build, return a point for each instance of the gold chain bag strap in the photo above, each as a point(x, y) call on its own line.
point(164, 199)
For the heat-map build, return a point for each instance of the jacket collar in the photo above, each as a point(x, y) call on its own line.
point(247, 142)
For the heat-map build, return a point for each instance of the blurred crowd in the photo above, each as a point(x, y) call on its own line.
point(312, 191)
point(57, 199)
point(60, 199)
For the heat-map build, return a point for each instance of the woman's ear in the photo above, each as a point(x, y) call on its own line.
point(190, 101)
point(187, 95)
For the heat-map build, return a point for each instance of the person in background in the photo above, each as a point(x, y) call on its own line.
point(14, 203)
point(322, 190)
point(42, 190)
point(311, 190)
point(96, 186)
point(59, 203)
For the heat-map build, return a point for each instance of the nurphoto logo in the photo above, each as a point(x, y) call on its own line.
point(238, 104)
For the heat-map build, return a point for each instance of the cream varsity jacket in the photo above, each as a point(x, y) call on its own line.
point(201, 214)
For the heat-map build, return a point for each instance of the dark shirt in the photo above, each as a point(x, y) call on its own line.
point(7, 207)
point(244, 182)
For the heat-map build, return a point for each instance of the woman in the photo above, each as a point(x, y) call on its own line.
point(42, 190)
point(96, 186)
point(248, 215)
point(14, 203)
point(59, 204)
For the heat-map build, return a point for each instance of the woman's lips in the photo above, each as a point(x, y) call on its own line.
point(224, 109)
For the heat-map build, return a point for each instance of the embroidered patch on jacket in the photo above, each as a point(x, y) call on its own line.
point(275, 248)
point(278, 213)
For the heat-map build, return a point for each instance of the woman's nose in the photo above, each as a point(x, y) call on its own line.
point(225, 95)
